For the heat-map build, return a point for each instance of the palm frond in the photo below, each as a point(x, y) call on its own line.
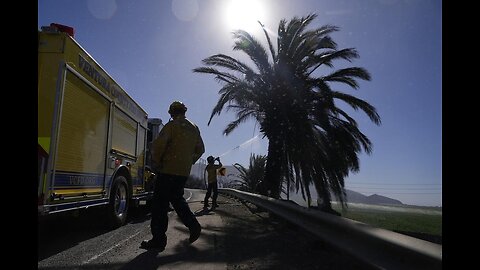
point(347, 75)
point(294, 31)
point(326, 43)
point(229, 62)
point(325, 30)
point(326, 58)
point(280, 38)
point(357, 103)
point(346, 116)
point(224, 98)
point(252, 47)
point(220, 76)
point(234, 124)
point(270, 45)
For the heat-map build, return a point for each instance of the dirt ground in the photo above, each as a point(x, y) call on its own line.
point(263, 241)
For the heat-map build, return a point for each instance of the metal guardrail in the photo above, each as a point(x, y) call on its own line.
point(380, 248)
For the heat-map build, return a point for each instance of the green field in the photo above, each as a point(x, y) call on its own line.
point(410, 219)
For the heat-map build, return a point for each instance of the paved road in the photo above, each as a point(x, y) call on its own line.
point(235, 236)
point(67, 242)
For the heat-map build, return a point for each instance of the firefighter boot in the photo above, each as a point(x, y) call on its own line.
point(195, 232)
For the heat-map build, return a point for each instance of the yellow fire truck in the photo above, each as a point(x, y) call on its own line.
point(92, 136)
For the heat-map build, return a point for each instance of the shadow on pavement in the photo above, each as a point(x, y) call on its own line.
point(61, 231)
point(150, 260)
point(248, 239)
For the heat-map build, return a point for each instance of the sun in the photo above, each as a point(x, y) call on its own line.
point(244, 15)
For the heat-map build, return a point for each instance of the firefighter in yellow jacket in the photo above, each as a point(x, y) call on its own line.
point(178, 146)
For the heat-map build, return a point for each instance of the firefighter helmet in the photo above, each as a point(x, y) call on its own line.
point(177, 107)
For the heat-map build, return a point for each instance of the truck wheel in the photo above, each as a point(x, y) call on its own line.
point(119, 202)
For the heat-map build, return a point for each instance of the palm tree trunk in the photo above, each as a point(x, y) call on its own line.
point(326, 197)
point(327, 204)
point(272, 180)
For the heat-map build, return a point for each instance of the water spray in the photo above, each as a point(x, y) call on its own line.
point(242, 144)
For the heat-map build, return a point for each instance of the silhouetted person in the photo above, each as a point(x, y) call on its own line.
point(211, 170)
point(178, 146)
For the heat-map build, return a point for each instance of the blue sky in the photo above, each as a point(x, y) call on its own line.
point(151, 47)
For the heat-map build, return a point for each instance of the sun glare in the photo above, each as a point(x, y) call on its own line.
point(244, 14)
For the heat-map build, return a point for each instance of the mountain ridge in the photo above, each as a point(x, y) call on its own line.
point(357, 197)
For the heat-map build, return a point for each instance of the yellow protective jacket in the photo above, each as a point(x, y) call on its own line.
point(178, 146)
point(211, 170)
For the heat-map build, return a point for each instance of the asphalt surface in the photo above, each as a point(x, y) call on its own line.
point(236, 235)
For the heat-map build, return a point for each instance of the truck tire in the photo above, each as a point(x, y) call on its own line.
point(119, 202)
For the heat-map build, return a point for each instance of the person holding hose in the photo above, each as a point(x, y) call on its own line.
point(211, 170)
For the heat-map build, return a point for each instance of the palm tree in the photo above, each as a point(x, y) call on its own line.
point(311, 140)
point(251, 177)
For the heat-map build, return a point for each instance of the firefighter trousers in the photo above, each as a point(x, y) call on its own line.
point(212, 187)
point(169, 189)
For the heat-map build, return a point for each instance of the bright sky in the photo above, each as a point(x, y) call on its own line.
point(150, 48)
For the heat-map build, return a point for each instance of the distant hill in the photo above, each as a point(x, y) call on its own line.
point(379, 199)
point(356, 197)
